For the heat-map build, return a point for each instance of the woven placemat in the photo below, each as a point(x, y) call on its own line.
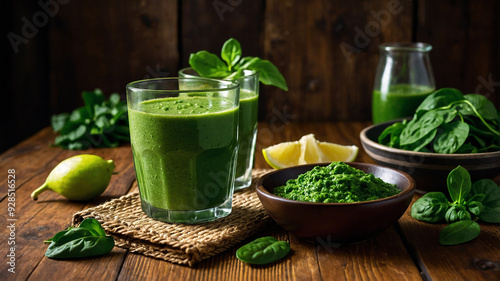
point(183, 244)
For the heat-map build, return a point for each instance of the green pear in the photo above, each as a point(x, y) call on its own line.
point(79, 178)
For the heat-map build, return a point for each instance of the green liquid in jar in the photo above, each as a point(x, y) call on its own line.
point(400, 101)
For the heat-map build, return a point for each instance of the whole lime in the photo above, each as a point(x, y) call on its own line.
point(79, 178)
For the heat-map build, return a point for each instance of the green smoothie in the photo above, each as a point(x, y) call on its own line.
point(400, 101)
point(249, 102)
point(183, 149)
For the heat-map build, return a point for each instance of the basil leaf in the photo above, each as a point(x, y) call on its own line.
point(451, 137)
point(269, 74)
point(459, 184)
point(231, 52)
point(208, 65)
point(263, 250)
point(431, 207)
point(459, 232)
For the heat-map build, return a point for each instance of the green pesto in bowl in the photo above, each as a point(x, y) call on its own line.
point(336, 183)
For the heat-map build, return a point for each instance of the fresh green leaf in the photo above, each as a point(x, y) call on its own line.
point(457, 213)
point(91, 99)
point(208, 65)
point(390, 136)
point(58, 121)
point(475, 207)
point(269, 74)
point(459, 232)
point(459, 184)
point(419, 128)
point(92, 125)
point(263, 250)
point(231, 52)
point(93, 226)
point(491, 200)
point(451, 137)
point(482, 105)
point(88, 240)
point(440, 98)
point(431, 207)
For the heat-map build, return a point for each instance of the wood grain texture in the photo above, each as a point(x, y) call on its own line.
point(388, 256)
point(328, 52)
point(109, 44)
point(466, 46)
point(435, 259)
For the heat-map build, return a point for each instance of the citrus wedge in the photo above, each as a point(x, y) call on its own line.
point(307, 150)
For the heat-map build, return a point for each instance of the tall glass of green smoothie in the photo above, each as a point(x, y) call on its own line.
point(184, 138)
point(404, 79)
point(249, 100)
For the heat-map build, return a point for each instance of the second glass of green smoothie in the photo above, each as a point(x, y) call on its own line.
point(184, 138)
point(249, 100)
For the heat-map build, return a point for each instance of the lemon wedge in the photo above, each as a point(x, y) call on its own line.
point(307, 150)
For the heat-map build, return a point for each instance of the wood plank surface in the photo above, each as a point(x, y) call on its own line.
point(406, 251)
point(328, 51)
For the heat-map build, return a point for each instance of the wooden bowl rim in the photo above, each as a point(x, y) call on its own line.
point(369, 142)
point(260, 189)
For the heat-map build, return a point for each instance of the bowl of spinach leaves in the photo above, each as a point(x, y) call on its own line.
point(448, 129)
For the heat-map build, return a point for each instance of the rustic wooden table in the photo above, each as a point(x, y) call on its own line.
point(407, 251)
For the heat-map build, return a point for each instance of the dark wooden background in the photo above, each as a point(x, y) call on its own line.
point(81, 45)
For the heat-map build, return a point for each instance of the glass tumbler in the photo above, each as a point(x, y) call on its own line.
point(184, 138)
point(249, 101)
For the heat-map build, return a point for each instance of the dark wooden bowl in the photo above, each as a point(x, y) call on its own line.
point(430, 170)
point(335, 222)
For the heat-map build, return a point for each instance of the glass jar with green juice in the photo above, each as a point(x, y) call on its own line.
point(403, 80)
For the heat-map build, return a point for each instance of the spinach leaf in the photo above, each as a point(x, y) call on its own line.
point(263, 250)
point(418, 128)
point(459, 232)
point(390, 136)
point(431, 207)
point(88, 240)
point(459, 184)
point(483, 106)
point(440, 98)
point(94, 124)
point(491, 200)
point(231, 65)
point(451, 137)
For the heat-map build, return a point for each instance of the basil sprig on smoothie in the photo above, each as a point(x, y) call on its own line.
point(232, 64)
point(448, 122)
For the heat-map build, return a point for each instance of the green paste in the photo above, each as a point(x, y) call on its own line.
point(336, 183)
